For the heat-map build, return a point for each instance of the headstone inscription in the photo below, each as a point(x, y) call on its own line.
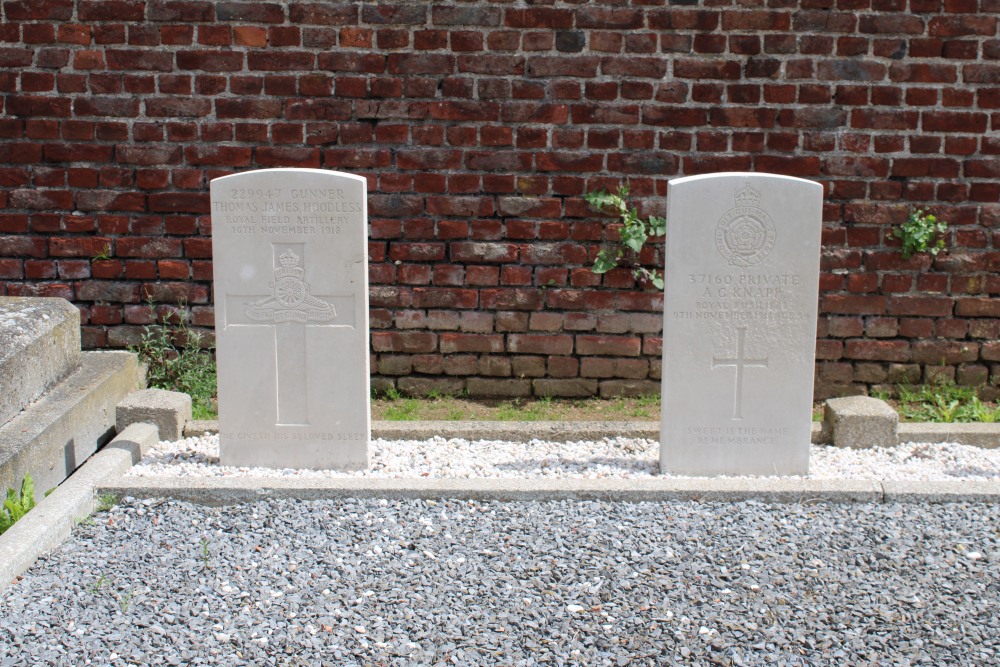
point(739, 324)
point(290, 256)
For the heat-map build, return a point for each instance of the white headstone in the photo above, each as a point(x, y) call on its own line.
point(739, 324)
point(290, 255)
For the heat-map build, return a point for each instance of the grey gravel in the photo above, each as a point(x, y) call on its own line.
point(377, 582)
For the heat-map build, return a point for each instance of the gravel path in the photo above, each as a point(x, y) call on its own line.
point(611, 457)
point(376, 582)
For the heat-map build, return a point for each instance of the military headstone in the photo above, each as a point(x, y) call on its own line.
point(739, 324)
point(290, 261)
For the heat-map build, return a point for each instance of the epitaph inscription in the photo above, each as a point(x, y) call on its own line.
point(742, 274)
point(290, 265)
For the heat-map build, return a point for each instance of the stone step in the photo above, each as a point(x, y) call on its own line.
point(39, 346)
point(55, 434)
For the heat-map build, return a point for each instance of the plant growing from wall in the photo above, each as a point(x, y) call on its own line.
point(633, 234)
point(186, 368)
point(17, 505)
point(922, 232)
point(103, 254)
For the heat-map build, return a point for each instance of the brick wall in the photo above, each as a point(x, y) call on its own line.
point(479, 125)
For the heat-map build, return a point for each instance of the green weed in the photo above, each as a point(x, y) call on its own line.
point(98, 584)
point(525, 412)
point(881, 394)
point(389, 394)
point(103, 253)
point(983, 413)
point(944, 403)
point(17, 504)
point(205, 556)
point(175, 361)
point(106, 501)
point(633, 234)
point(124, 600)
point(922, 232)
point(406, 411)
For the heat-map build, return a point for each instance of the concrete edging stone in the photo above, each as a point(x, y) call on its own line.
point(53, 518)
point(500, 430)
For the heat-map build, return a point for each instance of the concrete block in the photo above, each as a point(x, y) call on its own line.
point(39, 346)
point(54, 435)
point(167, 410)
point(861, 422)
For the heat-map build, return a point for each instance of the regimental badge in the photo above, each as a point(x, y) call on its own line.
point(745, 235)
point(290, 300)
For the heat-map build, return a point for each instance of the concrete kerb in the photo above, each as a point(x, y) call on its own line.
point(223, 491)
point(52, 520)
point(232, 490)
point(986, 436)
point(493, 430)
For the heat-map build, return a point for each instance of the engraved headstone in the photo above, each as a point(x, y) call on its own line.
point(739, 324)
point(290, 260)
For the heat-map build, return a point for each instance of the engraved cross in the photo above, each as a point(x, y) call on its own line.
point(740, 361)
point(290, 310)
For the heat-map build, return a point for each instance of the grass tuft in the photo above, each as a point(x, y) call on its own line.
point(176, 362)
point(944, 403)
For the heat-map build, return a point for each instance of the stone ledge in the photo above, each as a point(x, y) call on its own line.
point(52, 520)
point(39, 346)
point(60, 430)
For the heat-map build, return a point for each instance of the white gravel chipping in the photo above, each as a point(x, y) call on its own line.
point(609, 458)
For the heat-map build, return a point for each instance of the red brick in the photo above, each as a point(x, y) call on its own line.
point(25, 105)
point(451, 343)
point(111, 10)
point(539, 17)
point(944, 352)
point(568, 66)
point(956, 26)
point(877, 350)
point(558, 344)
point(510, 299)
point(34, 10)
point(618, 346)
point(978, 307)
point(854, 305)
point(444, 297)
point(13, 269)
point(210, 61)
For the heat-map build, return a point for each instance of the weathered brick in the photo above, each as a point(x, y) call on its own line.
point(477, 159)
point(498, 388)
point(540, 344)
point(565, 388)
point(944, 352)
point(619, 346)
